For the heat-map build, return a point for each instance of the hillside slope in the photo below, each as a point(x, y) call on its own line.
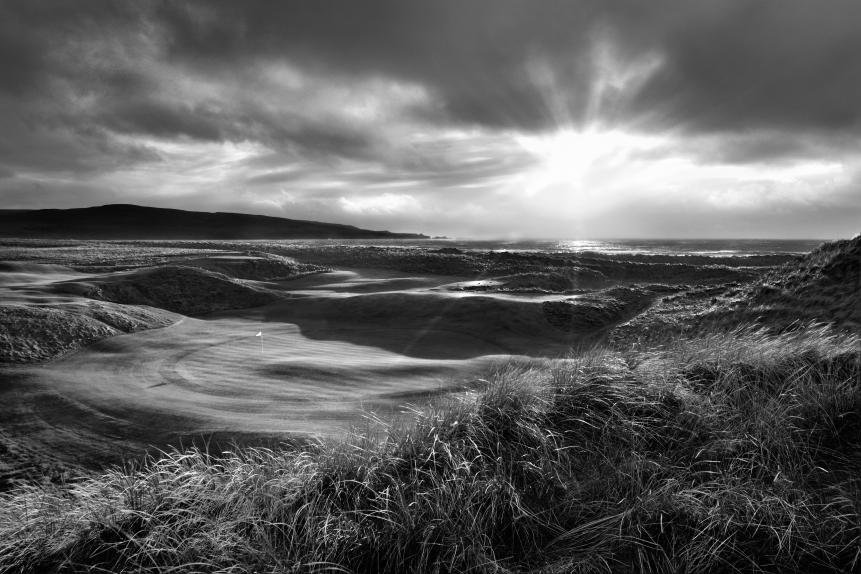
point(30, 333)
point(137, 222)
point(823, 286)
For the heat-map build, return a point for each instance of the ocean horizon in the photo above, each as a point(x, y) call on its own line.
point(692, 247)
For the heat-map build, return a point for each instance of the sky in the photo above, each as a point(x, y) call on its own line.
point(466, 118)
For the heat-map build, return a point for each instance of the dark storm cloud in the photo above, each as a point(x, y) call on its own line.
point(726, 65)
point(730, 63)
point(160, 119)
point(228, 119)
point(34, 34)
point(50, 146)
point(770, 146)
point(472, 54)
point(745, 65)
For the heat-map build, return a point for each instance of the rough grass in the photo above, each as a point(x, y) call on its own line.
point(32, 332)
point(733, 452)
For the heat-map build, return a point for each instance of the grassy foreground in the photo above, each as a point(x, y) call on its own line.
point(731, 452)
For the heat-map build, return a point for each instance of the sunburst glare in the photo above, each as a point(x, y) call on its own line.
point(574, 161)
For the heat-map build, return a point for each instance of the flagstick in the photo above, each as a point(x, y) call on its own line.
point(260, 336)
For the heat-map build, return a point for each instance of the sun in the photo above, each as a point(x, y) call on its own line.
point(581, 160)
point(570, 155)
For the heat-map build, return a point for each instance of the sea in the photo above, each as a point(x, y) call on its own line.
point(698, 247)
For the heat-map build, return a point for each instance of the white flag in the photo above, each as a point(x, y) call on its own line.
point(259, 334)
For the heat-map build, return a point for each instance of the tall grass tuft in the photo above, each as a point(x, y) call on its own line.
point(732, 452)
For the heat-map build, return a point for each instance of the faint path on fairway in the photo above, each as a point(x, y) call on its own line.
point(219, 373)
point(204, 378)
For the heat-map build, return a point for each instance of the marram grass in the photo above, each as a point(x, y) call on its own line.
point(732, 452)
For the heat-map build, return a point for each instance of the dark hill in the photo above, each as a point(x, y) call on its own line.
point(138, 222)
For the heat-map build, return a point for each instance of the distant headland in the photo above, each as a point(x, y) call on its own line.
point(123, 221)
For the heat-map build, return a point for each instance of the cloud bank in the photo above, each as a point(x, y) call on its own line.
point(462, 117)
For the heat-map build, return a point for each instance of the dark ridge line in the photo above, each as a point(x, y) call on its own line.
point(126, 221)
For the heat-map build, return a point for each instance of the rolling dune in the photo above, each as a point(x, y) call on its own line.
point(332, 347)
point(102, 366)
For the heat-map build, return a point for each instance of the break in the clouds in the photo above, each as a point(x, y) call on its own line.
point(462, 117)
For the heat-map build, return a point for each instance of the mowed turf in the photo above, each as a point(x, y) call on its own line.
point(221, 373)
